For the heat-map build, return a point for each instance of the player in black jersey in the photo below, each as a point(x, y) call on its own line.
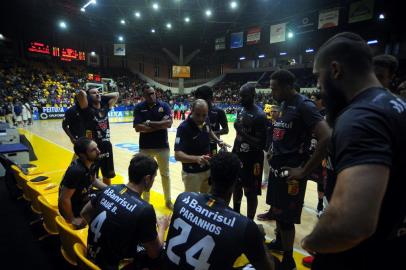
point(290, 162)
point(217, 117)
point(95, 110)
point(206, 234)
point(78, 180)
point(120, 220)
point(251, 127)
point(73, 123)
point(364, 225)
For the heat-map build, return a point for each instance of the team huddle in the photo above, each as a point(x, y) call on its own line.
point(358, 138)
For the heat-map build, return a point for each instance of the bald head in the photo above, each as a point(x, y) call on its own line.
point(247, 95)
point(200, 111)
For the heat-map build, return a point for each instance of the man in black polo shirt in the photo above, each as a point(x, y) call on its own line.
point(364, 225)
point(217, 117)
point(152, 118)
point(119, 220)
point(290, 162)
point(95, 112)
point(206, 234)
point(192, 148)
point(73, 123)
point(250, 126)
point(78, 180)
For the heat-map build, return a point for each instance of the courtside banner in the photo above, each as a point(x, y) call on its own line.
point(52, 113)
point(328, 18)
point(361, 11)
point(253, 35)
point(278, 33)
point(236, 40)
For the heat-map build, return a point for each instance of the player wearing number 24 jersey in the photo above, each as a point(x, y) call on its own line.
point(206, 234)
point(119, 220)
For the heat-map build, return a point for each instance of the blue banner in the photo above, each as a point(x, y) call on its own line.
point(236, 40)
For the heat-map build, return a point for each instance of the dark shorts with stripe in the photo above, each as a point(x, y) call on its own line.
point(106, 163)
point(285, 197)
point(251, 171)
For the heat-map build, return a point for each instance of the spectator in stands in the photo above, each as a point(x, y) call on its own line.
point(183, 109)
point(17, 112)
point(8, 110)
point(74, 190)
point(115, 232)
point(176, 111)
point(152, 118)
point(402, 89)
point(385, 67)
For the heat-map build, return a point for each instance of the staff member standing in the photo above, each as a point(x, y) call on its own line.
point(251, 125)
point(95, 110)
point(217, 117)
point(152, 118)
point(73, 124)
point(192, 148)
point(299, 118)
point(364, 225)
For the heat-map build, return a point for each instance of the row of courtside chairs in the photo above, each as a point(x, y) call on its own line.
point(40, 189)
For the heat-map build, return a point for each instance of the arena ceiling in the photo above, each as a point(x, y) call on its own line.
point(103, 20)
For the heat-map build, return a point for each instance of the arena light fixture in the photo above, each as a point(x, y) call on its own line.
point(208, 13)
point(242, 58)
point(290, 35)
point(122, 21)
point(87, 4)
point(310, 50)
point(152, 30)
point(372, 42)
point(382, 16)
point(169, 25)
point(93, 53)
point(233, 4)
point(83, 9)
point(120, 38)
point(1, 37)
point(261, 56)
point(155, 6)
point(283, 53)
point(63, 25)
point(187, 19)
point(137, 14)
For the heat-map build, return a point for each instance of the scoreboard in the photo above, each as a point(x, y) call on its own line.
point(64, 54)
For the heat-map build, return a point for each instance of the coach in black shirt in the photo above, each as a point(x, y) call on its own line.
point(290, 162)
point(192, 148)
point(78, 180)
point(119, 220)
point(364, 225)
point(206, 234)
point(152, 118)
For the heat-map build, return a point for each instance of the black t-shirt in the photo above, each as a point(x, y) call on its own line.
point(218, 119)
point(97, 121)
point(206, 234)
point(160, 111)
point(122, 221)
point(254, 124)
point(78, 177)
point(292, 131)
point(372, 130)
point(193, 140)
point(75, 122)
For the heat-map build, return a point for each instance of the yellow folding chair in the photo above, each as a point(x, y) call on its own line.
point(69, 237)
point(49, 213)
point(36, 189)
point(83, 262)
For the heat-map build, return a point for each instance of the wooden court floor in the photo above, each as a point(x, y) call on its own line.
point(125, 145)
